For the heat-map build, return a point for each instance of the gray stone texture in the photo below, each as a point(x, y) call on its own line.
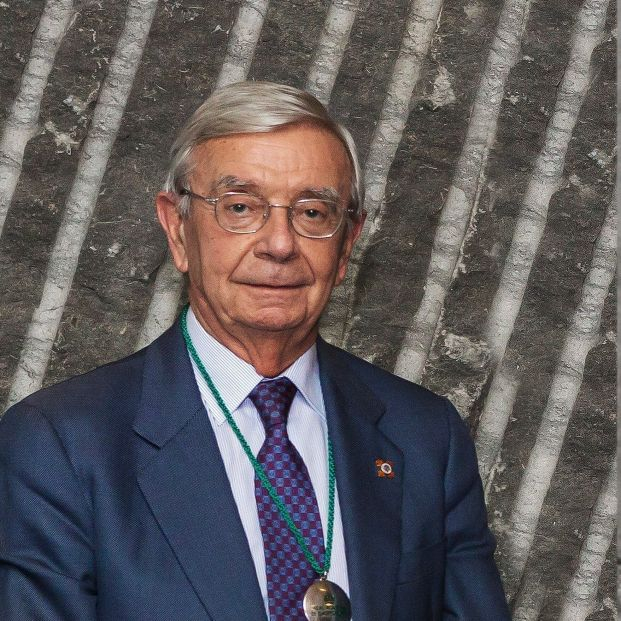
point(124, 247)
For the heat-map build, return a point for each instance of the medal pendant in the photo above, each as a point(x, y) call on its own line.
point(326, 601)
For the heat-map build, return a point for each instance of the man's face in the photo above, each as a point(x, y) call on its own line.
point(272, 280)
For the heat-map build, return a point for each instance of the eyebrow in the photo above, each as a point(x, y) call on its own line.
point(329, 194)
point(231, 182)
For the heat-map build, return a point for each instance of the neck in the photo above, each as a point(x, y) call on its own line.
point(269, 352)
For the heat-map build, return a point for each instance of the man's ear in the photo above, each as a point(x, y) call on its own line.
point(351, 235)
point(173, 225)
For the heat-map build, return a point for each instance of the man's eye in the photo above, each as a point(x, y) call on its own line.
point(240, 207)
point(313, 210)
point(312, 214)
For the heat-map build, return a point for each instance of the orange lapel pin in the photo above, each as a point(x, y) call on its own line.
point(385, 469)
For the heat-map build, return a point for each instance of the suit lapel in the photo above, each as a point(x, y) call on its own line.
point(187, 488)
point(370, 505)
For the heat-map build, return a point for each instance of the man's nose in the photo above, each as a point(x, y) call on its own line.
point(277, 239)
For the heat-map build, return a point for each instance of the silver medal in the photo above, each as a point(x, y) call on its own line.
point(326, 601)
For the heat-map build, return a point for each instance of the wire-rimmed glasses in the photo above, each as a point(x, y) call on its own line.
point(241, 212)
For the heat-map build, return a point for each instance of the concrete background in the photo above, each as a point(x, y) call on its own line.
point(486, 270)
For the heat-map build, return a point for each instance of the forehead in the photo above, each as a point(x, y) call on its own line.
point(288, 159)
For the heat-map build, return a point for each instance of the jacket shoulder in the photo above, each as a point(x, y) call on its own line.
point(412, 412)
point(386, 384)
point(94, 410)
point(90, 392)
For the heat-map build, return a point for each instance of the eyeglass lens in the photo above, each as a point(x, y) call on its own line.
point(244, 213)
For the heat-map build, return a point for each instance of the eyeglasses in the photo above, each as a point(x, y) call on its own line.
point(239, 212)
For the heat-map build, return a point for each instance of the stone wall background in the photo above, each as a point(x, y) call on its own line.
point(488, 135)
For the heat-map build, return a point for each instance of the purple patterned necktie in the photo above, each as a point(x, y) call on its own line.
point(289, 574)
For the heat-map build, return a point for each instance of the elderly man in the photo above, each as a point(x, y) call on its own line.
point(239, 468)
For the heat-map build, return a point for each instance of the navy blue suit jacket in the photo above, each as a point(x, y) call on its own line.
point(115, 505)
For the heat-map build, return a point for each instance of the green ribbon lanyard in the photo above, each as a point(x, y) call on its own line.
point(258, 468)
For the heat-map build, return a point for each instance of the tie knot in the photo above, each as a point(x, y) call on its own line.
point(273, 398)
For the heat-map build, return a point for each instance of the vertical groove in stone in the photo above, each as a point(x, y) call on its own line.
point(529, 228)
point(581, 595)
point(580, 599)
point(494, 419)
point(164, 302)
point(461, 202)
point(419, 29)
point(21, 124)
point(242, 42)
point(545, 178)
point(582, 335)
point(330, 49)
point(238, 58)
point(82, 199)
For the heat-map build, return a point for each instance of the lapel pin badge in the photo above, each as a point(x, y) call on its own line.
point(385, 469)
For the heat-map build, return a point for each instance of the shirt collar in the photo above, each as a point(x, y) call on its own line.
point(235, 378)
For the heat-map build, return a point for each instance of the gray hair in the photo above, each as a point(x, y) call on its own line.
point(249, 107)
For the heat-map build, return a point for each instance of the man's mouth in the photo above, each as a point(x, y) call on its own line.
point(274, 285)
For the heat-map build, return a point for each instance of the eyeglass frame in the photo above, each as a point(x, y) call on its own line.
point(213, 200)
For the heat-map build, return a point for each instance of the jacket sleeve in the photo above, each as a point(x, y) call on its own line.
point(473, 590)
point(46, 556)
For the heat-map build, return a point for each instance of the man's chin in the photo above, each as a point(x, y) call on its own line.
point(274, 321)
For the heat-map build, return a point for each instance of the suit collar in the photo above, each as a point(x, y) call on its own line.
point(170, 396)
point(168, 382)
point(336, 372)
point(370, 505)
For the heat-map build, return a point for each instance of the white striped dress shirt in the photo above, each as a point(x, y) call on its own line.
point(307, 428)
